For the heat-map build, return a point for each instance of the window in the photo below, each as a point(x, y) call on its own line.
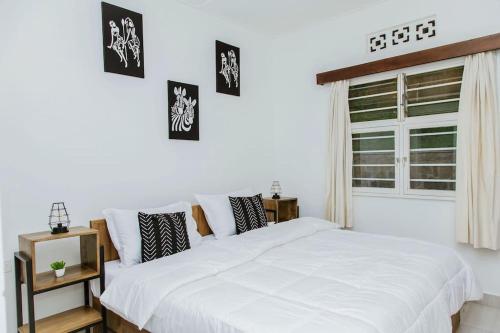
point(432, 158)
point(374, 101)
point(405, 132)
point(434, 92)
point(373, 159)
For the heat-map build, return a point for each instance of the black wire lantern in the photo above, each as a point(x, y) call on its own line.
point(276, 189)
point(59, 218)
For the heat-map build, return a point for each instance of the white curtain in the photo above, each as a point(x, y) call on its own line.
point(478, 155)
point(339, 197)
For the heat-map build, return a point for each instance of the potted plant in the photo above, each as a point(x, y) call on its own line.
point(59, 267)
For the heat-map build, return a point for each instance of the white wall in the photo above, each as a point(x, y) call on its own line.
point(301, 115)
point(3, 313)
point(70, 132)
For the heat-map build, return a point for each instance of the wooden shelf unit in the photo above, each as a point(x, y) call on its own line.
point(74, 274)
point(91, 267)
point(66, 322)
point(89, 255)
point(283, 209)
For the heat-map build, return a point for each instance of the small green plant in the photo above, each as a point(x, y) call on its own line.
point(57, 265)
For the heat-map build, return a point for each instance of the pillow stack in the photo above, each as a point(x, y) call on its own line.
point(123, 227)
point(233, 213)
point(143, 235)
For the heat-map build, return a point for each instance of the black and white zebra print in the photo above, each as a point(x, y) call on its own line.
point(182, 111)
point(249, 213)
point(162, 235)
point(183, 118)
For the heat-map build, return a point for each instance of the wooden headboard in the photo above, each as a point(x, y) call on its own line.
point(110, 252)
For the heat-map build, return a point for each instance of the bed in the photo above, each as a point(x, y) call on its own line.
point(299, 276)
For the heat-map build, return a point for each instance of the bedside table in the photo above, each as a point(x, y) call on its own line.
point(283, 209)
point(91, 267)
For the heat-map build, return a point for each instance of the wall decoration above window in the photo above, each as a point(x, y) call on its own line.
point(227, 65)
point(123, 45)
point(402, 34)
point(183, 105)
point(378, 42)
point(426, 29)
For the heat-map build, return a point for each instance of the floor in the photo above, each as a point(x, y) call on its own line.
point(476, 318)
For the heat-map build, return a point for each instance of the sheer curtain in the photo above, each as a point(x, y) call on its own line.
point(478, 155)
point(339, 197)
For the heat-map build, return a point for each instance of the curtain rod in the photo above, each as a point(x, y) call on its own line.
point(455, 50)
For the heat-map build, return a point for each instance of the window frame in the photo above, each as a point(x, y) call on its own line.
point(451, 121)
point(402, 126)
point(381, 190)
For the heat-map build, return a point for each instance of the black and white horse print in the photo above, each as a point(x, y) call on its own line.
point(122, 35)
point(184, 110)
point(228, 68)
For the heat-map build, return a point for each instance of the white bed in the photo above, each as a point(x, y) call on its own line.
point(299, 276)
point(114, 268)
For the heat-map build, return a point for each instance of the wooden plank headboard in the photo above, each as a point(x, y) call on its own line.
point(110, 252)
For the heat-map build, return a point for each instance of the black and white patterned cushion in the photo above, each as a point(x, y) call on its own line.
point(162, 235)
point(249, 213)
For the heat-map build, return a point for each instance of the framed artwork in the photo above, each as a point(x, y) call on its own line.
point(123, 46)
point(228, 70)
point(183, 108)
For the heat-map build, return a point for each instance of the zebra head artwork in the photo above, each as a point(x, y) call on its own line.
point(122, 36)
point(183, 117)
point(182, 111)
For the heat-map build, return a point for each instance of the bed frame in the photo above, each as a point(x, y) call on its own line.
point(116, 323)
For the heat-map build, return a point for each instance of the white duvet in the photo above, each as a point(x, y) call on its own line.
point(300, 276)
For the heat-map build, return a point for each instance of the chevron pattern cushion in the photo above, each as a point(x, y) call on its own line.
point(249, 213)
point(162, 234)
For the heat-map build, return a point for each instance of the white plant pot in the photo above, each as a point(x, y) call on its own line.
point(60, 272)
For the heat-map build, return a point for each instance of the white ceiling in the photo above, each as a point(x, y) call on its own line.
point(277, 16)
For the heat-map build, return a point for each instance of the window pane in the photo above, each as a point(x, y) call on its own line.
point(364, 144)
point(376, 102)
point(373, 159)
point(429, 157)
point(373, 88)
point(447, 75)
point(379, 172)
point(432, 172)
point(371, 115)
point(372, 183)
point(434, 92)
point(373, 101)
point(433, 158)
point(432, 186)
point(436, 108)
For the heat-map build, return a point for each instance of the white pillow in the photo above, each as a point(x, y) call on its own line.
point(219, 213)
point(123, 227)
point(110, 224)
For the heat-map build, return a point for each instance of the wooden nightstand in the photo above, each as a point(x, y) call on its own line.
point(283, 209)
point(91, 267)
